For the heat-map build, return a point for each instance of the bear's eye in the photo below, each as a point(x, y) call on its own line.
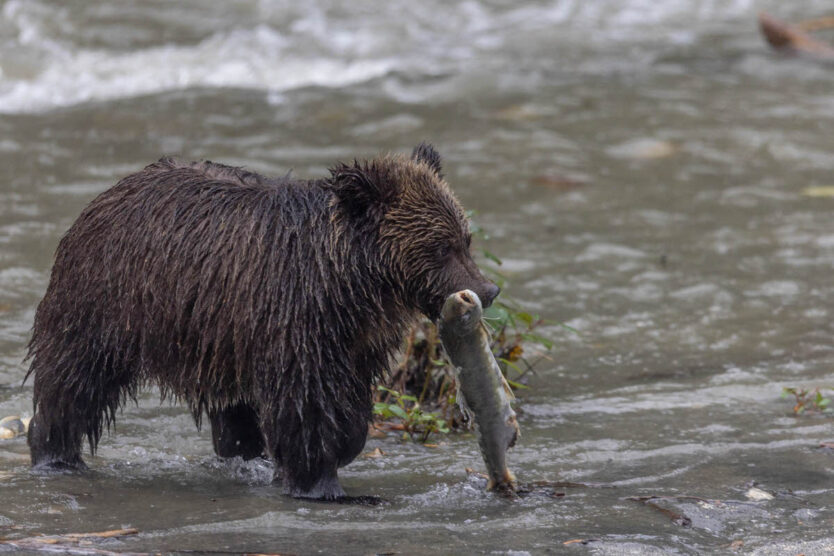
point(468, 241)
point(443, 251)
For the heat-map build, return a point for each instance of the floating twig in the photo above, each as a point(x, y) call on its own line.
point(650, 501)
point(71, 543)
point(783, 36)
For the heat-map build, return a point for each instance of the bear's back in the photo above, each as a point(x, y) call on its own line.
point(216, 171)
point(182, 264)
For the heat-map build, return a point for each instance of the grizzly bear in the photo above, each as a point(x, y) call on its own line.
point(271, 304)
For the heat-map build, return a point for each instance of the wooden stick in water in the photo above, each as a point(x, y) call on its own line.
point(70, 543)
point(783, 36)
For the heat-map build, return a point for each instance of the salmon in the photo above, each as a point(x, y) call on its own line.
point(482, 388)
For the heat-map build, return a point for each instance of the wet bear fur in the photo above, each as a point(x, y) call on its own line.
point(272, 305)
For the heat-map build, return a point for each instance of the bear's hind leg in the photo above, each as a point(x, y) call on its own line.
point(55, 445)
point(75, 397)
point(64, 414)
point(235, 432)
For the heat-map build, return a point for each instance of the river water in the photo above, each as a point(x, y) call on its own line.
point(641, 168)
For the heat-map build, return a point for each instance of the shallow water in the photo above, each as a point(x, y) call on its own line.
point(640, 166)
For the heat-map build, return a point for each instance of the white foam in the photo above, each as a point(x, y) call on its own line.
point(257, 58)
point(599, 251)
point(52, 56)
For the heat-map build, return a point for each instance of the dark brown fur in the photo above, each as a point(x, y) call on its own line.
point(271, 304)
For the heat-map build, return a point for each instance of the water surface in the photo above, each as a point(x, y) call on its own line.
point(639, 165)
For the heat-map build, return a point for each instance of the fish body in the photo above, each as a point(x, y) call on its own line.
point(480, 381)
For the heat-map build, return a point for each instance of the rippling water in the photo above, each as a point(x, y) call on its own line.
point(641, 166)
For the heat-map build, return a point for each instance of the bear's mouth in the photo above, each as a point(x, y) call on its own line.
point(434, 315)
point(434, 310)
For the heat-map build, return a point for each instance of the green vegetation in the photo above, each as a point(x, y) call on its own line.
point(414, 421)
point(808, 400)
point(420, 398)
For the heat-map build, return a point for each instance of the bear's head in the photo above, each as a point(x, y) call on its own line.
point(408, 212)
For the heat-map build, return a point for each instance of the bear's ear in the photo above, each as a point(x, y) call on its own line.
point(362, 189)
point(425, 152)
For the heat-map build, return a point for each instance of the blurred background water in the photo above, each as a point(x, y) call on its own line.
point(639, 165)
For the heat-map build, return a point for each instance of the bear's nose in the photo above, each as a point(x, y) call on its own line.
point(490, 293)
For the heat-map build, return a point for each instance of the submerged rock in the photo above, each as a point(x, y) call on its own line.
point(645, 148)
point(757, 495)
point(13, 426)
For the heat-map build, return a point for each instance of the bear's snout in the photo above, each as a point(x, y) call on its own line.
point(489, 294)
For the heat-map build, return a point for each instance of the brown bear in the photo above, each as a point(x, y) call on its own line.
point(271, 304)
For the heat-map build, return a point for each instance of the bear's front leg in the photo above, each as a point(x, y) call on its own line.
point(308, 468)
point(323, 485)
point(308, 451)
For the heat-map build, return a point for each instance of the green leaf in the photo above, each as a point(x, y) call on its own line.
point(496, 316)
point(568, 328)
point(527, 318)
point(530, 337)
point(398, 411)
point(384, 410)
point(512, 365)
point(516, 385)
point(492, 257)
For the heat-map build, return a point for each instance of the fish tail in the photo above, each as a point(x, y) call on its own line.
point(507, 482)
